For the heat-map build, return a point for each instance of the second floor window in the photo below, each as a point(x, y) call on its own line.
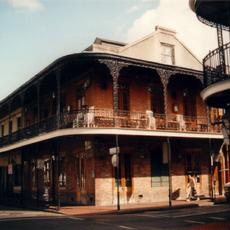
point(189, 103)
point(19, 123)
point(123, 98)
point(80, 102)
point(80, 97)
point(157, 99)
point(10, 126)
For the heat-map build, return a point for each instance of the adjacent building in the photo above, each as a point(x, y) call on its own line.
point(216, 65)
point(58, 128)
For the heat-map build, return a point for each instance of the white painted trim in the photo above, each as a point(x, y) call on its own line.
point(108, 131)
point(215, 88)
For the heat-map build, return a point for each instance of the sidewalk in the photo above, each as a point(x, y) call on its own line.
point(130, 208)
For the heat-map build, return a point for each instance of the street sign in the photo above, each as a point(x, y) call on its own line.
point(114, 160)
point(114, 150)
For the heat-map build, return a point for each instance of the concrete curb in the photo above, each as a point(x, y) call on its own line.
point(120, 212)
point(130, 210)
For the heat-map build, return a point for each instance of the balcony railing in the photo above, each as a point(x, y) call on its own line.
point(106, 118)
point(214, 69)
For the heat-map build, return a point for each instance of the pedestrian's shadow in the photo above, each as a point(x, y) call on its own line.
point(176, 194)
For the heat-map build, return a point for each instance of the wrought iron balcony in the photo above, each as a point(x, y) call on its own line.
point(107, 118)
point(217, 65)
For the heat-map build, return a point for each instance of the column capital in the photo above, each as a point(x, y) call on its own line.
point(164, 76)
point(114, 66)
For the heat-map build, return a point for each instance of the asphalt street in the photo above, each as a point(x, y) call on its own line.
point(209, 217)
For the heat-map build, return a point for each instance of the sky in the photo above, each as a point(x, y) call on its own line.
point(35, 33)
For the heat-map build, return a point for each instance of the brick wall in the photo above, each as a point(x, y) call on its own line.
point(141, 190)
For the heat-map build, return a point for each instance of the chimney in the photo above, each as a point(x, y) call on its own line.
point(165, 30)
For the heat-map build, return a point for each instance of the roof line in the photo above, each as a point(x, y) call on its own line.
point(62, 59)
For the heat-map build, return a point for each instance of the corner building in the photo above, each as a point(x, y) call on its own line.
point(57, 129)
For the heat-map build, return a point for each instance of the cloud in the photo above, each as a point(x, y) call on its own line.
point(133, 9)
point(31, 5)
point(177, 15)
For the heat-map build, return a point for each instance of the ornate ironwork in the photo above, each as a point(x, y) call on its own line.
point(114, 67)
point(108, 118)
point(164, 76)
point(213, 67)
point(212, 24)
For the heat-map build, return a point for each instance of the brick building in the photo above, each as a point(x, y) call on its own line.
point(57, 129)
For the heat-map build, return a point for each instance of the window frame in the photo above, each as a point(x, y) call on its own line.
point(167, 56)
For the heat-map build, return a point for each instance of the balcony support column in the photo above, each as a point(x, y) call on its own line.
point(58, 102)
point(164, 76)
point(114, 68)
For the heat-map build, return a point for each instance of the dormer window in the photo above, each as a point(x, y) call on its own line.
point(167, 54)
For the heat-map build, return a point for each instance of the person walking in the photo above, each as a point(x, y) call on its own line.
point(191, 187)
